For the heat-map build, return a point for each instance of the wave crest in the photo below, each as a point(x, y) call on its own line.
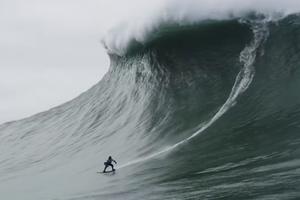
point(140, 29)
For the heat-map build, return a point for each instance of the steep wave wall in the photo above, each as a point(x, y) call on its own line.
point(206, 110)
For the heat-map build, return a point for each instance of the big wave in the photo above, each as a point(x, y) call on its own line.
point(214, 101)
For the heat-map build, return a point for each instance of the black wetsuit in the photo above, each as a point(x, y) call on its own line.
point(109, 163)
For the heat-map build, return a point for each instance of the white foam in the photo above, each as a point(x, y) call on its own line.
point(138, 27)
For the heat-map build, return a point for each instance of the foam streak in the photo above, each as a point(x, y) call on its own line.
point(242, 82)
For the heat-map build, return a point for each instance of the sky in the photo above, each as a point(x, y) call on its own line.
point(51, 50)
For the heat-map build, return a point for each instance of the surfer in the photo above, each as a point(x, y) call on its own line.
point(109, 163)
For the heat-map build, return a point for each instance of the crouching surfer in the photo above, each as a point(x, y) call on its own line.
point(109, 163)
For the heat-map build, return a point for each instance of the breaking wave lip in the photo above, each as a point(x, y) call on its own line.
point(119, 38)
point(241, 84)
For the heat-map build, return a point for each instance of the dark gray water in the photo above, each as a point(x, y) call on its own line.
point(209, 111)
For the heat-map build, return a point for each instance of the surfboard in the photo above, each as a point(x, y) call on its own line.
point(106, 172)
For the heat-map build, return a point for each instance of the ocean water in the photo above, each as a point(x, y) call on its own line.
point(208, 110)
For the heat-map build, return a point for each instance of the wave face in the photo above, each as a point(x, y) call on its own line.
point(203, 111)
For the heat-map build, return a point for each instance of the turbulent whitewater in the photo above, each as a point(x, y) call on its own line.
point(205, 110)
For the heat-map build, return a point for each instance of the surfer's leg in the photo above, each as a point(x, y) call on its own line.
point(112, 167)
point(105, 168)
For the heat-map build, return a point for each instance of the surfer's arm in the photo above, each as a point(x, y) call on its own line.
point(115, 161)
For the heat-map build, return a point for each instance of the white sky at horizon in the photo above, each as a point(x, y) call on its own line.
point(50, 51)
point(46, 58)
